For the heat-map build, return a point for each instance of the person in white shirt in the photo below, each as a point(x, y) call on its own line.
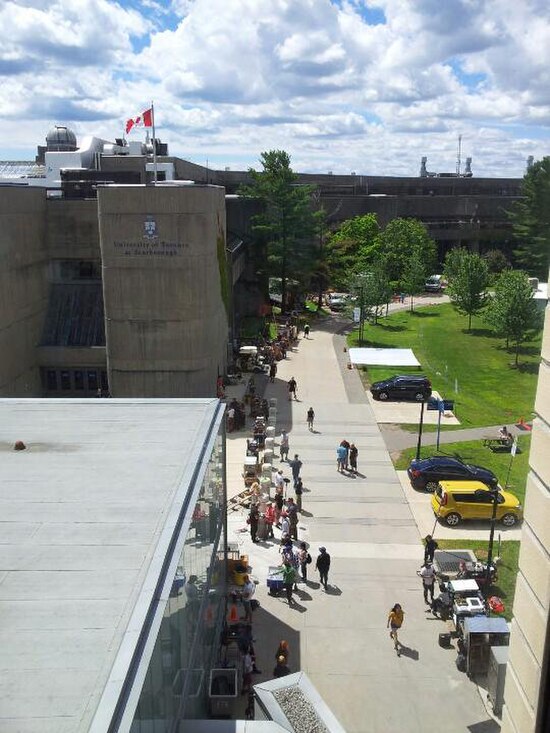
point(280, 481)
point(247, 593)
point(428, 575)
point(283, 445)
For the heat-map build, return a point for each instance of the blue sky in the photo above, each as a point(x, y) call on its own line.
point(341, 85)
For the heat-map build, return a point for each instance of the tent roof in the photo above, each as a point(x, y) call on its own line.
point(383, 357)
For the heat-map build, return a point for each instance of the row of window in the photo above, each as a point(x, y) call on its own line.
point(85, 381)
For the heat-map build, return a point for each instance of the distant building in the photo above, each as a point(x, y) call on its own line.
point(113, 284)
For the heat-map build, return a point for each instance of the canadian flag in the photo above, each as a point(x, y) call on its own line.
point(145, 120)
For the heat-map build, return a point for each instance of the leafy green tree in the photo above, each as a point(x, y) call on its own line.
point(496, 261)
point(531, 220)
point(349, 247)
point(414, 275)
point(512, 310)
point(467, 289)
point(288, 221)
point(373, 290)
point(453, 261)
point(400, 239)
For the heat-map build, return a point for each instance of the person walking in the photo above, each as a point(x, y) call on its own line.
point(323, 566)
point(395, 621)
point(428, 575)
point(304, 558)
point(283, 650)
point(247, 594)
point(295, 465)
point(283, 445)
point(292, 388)
point(285, 527)
point(292, 514)
point(306, 330)
point(269, 516)
point(310, 418)
point(346, 446)
point(289, 579)
point(430, 546)
point(279, 481)
point(341, 454)
point(353, 452)
point(253, 519)
point(279, 503)
point(281, 668)
point(299, 490)
point(272, 371)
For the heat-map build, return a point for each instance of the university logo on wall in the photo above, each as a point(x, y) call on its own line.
point(150, 228)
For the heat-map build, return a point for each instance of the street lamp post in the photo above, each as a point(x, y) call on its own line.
point(420, 426)
point(494, 497)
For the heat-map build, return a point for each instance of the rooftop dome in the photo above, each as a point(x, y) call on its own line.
point(60, 138)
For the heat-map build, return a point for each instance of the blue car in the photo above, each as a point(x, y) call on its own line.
point(426, 473)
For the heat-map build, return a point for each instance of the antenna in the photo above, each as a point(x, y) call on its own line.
point(458, 161)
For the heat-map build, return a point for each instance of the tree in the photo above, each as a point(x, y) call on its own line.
point(349, 248)
point(496, 261)
point(531, 220)
point(512, 310)
point(414, 275)
point(453, 261)
point(399, 240)
point(467, 289)
point(374, 290)
point(287, 223)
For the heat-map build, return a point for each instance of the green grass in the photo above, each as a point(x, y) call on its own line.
point(474, 452)
point(473, 369)
point(311, 307)
point(507, 568)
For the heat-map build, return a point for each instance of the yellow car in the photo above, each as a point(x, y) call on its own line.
point(453, 501)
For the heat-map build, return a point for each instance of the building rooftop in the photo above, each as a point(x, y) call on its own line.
point(86, 518)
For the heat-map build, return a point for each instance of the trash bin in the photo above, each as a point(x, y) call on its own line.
point(222, 692)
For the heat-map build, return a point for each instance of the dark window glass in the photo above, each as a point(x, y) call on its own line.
point(65, 380)
point(92, 380)
point(464, 498)
point(78, 379)
point(51, 380)
point(104, 381)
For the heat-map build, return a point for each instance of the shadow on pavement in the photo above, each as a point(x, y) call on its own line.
point(406, 651)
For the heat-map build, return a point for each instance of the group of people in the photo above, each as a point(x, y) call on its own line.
point(294, 560)
point(346, 457)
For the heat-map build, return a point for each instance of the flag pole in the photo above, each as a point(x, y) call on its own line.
point(154, 142)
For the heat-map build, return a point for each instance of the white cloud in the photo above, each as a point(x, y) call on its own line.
point(231, 78)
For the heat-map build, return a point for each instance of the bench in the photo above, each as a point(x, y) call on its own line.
point(489, 441)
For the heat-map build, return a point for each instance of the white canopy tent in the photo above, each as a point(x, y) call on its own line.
point(383, 357)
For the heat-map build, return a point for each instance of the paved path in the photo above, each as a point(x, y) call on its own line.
point(397, 439)
point(339, 638)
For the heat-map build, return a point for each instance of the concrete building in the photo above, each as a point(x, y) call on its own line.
point(526, 695)
point(114, 284)
point(107, 515)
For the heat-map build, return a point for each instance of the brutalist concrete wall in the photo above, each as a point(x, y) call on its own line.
point(165, 289)
point(72, 229)
point(23, 289)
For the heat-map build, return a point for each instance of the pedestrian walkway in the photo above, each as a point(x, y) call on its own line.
point(339, 638)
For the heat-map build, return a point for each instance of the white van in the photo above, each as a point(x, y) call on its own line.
point(434, 283)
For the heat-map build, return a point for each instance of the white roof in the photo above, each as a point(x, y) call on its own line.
point(383, 357)
point(463, 586)
point(86, 513)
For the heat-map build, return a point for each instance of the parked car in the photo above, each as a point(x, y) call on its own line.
point(426, 473)
point(434, 284)
point(404, 387)
point(337, 301)
point(453, 501)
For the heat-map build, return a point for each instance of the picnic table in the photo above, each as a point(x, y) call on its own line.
point(496, 441)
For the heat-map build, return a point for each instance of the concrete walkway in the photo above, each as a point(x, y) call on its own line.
point(397, 439)
point(339, 637)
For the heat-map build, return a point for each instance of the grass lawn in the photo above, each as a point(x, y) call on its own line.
point(507, 568)
point(473, 369)
point(474, 452)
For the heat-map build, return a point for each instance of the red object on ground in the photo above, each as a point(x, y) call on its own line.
point(495, 604)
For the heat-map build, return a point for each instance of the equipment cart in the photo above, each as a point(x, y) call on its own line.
point(275, 579)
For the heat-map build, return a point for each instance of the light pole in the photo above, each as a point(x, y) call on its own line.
point(420, 426)
point(494, 496)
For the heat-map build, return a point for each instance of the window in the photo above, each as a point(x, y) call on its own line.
point(51, 380)
point(92, 380)
point(65, 380)
point(78, 379)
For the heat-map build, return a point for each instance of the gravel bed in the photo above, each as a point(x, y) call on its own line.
point(299, 711)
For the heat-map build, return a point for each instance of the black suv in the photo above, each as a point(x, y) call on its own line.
point(426, 473)
point(406, 387)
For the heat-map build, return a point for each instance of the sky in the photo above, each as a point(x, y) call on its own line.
point(368, 86)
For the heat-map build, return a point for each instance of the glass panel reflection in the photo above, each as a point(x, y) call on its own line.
point(188, 640)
